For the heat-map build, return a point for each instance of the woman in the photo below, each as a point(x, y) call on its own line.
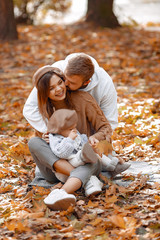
point(52, 95)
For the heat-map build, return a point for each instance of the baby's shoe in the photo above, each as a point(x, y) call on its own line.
point(120, 168)
point(109, 163)
point(93, 186)
point(114, 159)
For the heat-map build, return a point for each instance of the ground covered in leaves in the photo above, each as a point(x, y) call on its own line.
point(132, 58)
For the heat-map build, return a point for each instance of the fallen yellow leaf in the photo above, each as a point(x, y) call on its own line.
point(118, 221)
point(103, 147)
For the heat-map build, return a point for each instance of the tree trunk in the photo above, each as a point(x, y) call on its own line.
point(101, 13)
point(7, 22)
point(24, 17)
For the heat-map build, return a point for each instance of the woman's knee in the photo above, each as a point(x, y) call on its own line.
point(34, 144)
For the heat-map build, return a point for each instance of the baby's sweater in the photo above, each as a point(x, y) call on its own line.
point(64, 147)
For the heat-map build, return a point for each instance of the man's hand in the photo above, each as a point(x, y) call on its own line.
point(73, 134)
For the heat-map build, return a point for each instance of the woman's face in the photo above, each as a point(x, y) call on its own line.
point(57, 88)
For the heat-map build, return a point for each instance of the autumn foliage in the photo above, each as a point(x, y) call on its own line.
point(132, 58)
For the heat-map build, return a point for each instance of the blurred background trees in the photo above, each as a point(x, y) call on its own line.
point(99, 12)
point(26, 10)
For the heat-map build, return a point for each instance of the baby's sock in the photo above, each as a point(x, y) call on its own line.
point(109, 163)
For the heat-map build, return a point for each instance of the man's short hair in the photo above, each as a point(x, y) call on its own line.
point(80, 65)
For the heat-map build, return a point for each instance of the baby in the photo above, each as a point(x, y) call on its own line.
point(67, 143)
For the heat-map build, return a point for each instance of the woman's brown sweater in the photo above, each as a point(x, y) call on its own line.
point(91, 119)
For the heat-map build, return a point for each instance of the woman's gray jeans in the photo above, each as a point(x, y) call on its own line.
point(45, 159)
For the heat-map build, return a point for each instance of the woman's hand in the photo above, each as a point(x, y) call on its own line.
point(45, 137)
point(93, 141)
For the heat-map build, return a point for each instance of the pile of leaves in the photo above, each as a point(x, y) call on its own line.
point(132, 58)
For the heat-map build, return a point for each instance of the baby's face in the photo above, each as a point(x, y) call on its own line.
point(66, 132)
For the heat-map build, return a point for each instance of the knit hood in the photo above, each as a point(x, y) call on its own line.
point(61, 119)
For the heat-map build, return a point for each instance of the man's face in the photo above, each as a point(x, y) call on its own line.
point(74, 82)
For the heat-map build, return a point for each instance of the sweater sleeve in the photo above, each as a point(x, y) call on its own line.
point(108, 100)
point(84, 138)
point(97, 119)
point(59, 64)
point(61, 147)
point(32, 114)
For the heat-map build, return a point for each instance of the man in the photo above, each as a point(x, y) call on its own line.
point(81, 72)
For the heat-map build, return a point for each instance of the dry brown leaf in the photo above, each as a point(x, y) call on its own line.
point(103, 147)
point(18, 226)
point(91, 204)
point(118, 220)
point(96, 222)
point(112, 199)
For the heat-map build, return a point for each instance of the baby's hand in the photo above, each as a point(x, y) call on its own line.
point(45, 137)
point(73, 134)
point(93, 141)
